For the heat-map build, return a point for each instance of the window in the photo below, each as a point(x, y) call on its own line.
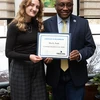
point(89, 9)
point(3, 62)
point(94, 25)
point(4, 76)
point(94, 61)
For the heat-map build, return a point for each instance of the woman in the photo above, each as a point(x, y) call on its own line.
point(27, 78)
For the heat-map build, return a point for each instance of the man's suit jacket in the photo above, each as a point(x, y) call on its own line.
point(81, 39)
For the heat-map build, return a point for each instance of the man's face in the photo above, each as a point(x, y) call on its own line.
point(64, 8)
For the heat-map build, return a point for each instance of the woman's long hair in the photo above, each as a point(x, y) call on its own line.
point(20, 17)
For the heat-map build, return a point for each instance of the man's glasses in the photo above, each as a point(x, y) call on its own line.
point(62, 5)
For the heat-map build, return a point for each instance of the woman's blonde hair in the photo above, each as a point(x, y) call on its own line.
point(20, 17)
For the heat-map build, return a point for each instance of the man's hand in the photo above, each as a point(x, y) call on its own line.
point(74, 55)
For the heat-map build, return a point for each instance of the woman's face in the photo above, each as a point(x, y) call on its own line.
point(33, 8)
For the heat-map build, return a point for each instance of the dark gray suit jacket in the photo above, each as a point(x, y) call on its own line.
point(81, 39)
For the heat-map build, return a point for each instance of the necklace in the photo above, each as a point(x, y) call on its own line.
point(29, 28)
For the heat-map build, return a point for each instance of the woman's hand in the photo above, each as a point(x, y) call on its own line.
point(48, 60)
point(35, 58)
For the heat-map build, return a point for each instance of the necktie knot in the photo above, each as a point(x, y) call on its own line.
point(64, 27)
point(64, 21)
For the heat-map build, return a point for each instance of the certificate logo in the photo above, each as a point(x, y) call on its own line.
point(60, 53)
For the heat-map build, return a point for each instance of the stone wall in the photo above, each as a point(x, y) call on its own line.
point(7, 9)
point(90, 8)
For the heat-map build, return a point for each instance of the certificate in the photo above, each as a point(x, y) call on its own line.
point(53, 45)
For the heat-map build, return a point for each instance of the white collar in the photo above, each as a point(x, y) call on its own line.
point(59, 20)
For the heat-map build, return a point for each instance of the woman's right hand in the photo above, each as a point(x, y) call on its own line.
point(48, 60)
point(35, 58)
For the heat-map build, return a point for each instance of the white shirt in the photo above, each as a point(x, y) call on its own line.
point(60, 24)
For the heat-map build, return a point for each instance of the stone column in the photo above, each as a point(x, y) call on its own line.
point(75, 7)
point(17, 3)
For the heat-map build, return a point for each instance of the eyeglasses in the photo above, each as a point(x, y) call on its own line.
point(62, 5)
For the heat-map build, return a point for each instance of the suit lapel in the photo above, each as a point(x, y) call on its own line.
point(53, 24)
point(73, 22)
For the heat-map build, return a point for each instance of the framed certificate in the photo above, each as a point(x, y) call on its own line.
point(53, 45)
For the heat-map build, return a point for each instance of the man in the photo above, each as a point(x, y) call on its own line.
point(69, 84)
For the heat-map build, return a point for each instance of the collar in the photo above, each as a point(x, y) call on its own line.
point(59, 20)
